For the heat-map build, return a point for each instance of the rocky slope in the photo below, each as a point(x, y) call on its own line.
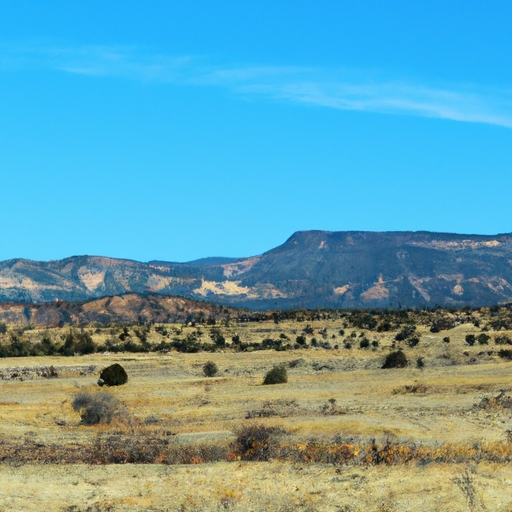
point(311, 269)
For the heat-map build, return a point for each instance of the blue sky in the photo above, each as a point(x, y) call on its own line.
point(179, 130)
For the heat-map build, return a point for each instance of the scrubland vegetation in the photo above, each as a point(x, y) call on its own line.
point(367, 410)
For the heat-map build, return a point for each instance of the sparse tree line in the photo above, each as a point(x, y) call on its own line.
point(134, 338)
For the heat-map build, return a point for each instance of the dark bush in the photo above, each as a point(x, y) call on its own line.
point(114, 375)
point(470, 339)
point(45, 347)
point(446, 339)
point(364, 343)
point(420, 362)
point(78, 343)
point(278, 375)
point(210, 369)
point(217, 337)
point(257, 442)
point(502, 340)
point(95, 408)
point(483, 338)
point(395, 360)
point(413, 341)
point(84, 343)
point(442, 324)
point(308, 330)
point(505, 354)
point(405, 333)
point(301, 340)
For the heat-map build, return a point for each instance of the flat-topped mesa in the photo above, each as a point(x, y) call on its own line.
point(310, 269)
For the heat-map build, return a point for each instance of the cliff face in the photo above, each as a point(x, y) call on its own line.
point(311, 269)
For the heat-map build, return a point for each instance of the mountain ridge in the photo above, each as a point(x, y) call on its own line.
point(310, 269)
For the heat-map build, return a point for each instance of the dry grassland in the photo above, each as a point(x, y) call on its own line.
point(333, 397)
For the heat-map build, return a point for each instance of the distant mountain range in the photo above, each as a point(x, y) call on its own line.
point(311, 269)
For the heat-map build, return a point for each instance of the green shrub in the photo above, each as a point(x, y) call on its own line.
point(78, 343)
point(405, 333)
point(505, 354)
point(301, 340)
point(483, 338)
point(114, 375)
point(364, 343)
point(210, 369)
point(413, 341)
point(278, 375)
point(470, 339)
point(395, 360)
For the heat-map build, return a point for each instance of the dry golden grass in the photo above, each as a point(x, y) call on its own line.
point(256, 486)
point(329, 392)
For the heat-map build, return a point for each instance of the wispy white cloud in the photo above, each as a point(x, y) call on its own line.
point(338, 89)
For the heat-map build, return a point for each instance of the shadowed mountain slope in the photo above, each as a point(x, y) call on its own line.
point(311, 269)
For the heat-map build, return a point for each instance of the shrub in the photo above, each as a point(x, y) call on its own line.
point(257, 442)
point(301, 340)
point(278, 375)
point(442, 324)
point(446, 339)
point(470, 339)
point(405, 333)
point(395, 360)
point(84, 343)
point(413, 341)
point(217, 337)
point(505, 354)
point(308, 330)
point(95, 408)
point(364, 343)
point(420, 362)
point(114, 375)
point(45, 347)
point(483, 338)
point(210, 369)
point(79, 343)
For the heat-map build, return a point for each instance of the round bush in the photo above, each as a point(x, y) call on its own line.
point(210, 369)
point(278, 375)
point(395, 360)
point(114, 375)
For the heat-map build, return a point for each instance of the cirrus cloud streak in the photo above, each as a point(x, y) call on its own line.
point(330, 88)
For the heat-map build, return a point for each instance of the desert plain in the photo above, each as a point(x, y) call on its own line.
point(344, 433)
